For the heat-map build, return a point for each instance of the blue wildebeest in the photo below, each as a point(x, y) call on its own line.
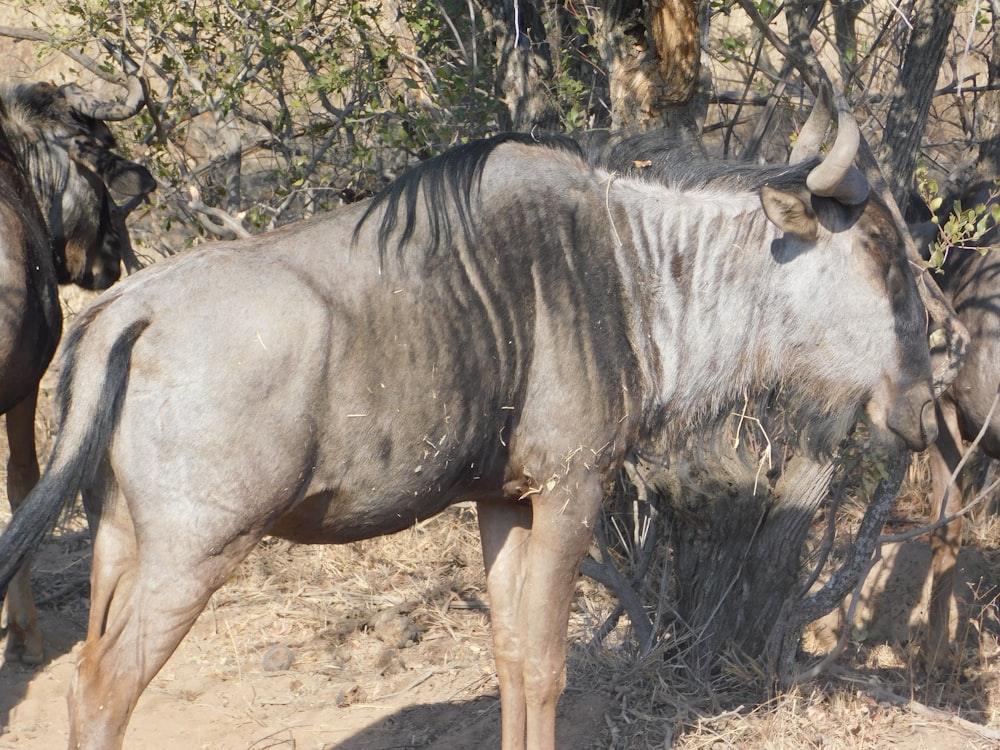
point(971, 283)
point(57, 163)
point(503, 324)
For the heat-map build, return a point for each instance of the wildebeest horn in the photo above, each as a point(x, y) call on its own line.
point(812, 133)
point(86, 104)
point(836, 176)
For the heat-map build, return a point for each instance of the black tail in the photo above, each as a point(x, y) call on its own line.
point(90, 394)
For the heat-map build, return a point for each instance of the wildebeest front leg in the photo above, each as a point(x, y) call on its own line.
point(24, 638)
point(532, 568)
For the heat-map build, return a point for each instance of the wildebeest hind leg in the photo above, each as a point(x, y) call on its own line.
point(114, 557)
point(145, 597)
point(24, 638)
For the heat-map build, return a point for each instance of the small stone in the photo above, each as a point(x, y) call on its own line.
point(277, 659)
point(394, 629)
point(350, 695)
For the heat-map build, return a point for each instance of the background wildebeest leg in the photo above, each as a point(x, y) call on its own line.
point(24, 638)
point(944, 455)
point(146, 593)
point(532, 559)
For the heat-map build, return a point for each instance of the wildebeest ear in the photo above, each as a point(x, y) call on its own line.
point(130, 178)
point(117, 173)
point(790, 213)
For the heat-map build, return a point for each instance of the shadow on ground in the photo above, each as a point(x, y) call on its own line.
point(61, 587)
point(475, 725)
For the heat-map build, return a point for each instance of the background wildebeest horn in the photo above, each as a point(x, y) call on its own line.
point(89, 105)
point(834, 177)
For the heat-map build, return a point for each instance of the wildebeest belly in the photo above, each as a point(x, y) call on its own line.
point(344, 515)
point(395, 467)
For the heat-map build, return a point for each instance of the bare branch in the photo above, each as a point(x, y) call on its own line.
point(215, 220)
point(34, 35)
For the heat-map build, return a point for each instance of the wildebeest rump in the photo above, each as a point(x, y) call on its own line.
point(58, 224)
point(504, 324)
point(971, 282)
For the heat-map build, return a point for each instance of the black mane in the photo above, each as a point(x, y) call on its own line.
point(447, 184)
point(661, 157)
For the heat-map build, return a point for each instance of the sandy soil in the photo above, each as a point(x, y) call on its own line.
point(385, 645)
point(268, 672)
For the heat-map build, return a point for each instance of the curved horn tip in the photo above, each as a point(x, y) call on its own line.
point(836, 176)
point(88, 105)
point(811, 134)
point(852, 189)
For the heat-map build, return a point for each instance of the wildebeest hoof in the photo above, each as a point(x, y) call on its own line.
point(23, 648)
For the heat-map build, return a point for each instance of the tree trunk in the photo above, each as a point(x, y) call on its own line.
point(988, 164)
point(524, 64)
point(737, 540)
point(932, 21)
point(652, 55)
point(845, 14)
point(674, 26)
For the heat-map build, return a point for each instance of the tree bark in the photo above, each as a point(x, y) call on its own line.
point(932, 21)
point(737, 539)
point(674, 26)
point(652, 55)
point(845, 14)
point(524, 64)
point(988, 163)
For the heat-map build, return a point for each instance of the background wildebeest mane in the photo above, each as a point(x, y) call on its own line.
point(446, 182)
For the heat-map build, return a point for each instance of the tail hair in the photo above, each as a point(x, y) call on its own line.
point(86, 423)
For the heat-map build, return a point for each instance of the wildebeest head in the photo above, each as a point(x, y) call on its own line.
point(66, 148)
point(839, 199)
point(849, 321)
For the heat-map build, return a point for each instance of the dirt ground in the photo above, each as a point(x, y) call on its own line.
point(384, 645)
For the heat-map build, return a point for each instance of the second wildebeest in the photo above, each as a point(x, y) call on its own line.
point(58, 162)
point(967, 410)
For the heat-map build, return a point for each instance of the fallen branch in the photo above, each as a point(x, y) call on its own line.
point(884, 695)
